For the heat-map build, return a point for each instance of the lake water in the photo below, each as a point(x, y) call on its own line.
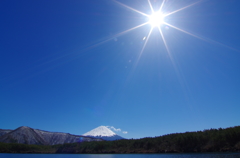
point(212, 155)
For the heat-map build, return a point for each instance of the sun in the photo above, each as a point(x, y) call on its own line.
point(156, 19)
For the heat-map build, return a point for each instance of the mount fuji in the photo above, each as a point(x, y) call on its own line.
point(104, 133)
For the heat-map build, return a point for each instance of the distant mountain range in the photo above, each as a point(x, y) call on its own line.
point(27, 135)
point(104, 133)
point(212, 140)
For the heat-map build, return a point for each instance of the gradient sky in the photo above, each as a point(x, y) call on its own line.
point(64, 67)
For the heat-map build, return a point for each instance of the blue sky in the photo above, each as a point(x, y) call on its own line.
point(65, 67)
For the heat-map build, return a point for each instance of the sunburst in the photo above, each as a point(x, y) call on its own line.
point(156, 20)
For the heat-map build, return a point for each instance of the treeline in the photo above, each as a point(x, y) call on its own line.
point(24, 148)
point(213, 140)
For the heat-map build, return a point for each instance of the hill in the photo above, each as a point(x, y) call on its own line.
point(27, 135)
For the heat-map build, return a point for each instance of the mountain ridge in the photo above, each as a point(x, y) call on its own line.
point(4, 131)
point(27, 135)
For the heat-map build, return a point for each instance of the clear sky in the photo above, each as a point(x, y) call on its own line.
point(68, 65)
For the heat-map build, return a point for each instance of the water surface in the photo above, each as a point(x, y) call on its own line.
point(212, 155)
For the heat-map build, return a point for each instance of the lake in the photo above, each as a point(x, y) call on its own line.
point(206, 155)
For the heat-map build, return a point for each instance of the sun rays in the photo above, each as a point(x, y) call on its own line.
point(156, 19)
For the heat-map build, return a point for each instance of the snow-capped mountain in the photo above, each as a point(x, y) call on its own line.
point(104, 133)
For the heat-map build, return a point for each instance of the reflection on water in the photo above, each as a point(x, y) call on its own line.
point(212, 155)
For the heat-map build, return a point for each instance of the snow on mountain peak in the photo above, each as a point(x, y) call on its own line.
point(101, 131)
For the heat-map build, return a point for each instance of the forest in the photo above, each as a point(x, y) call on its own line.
point(212, 140)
